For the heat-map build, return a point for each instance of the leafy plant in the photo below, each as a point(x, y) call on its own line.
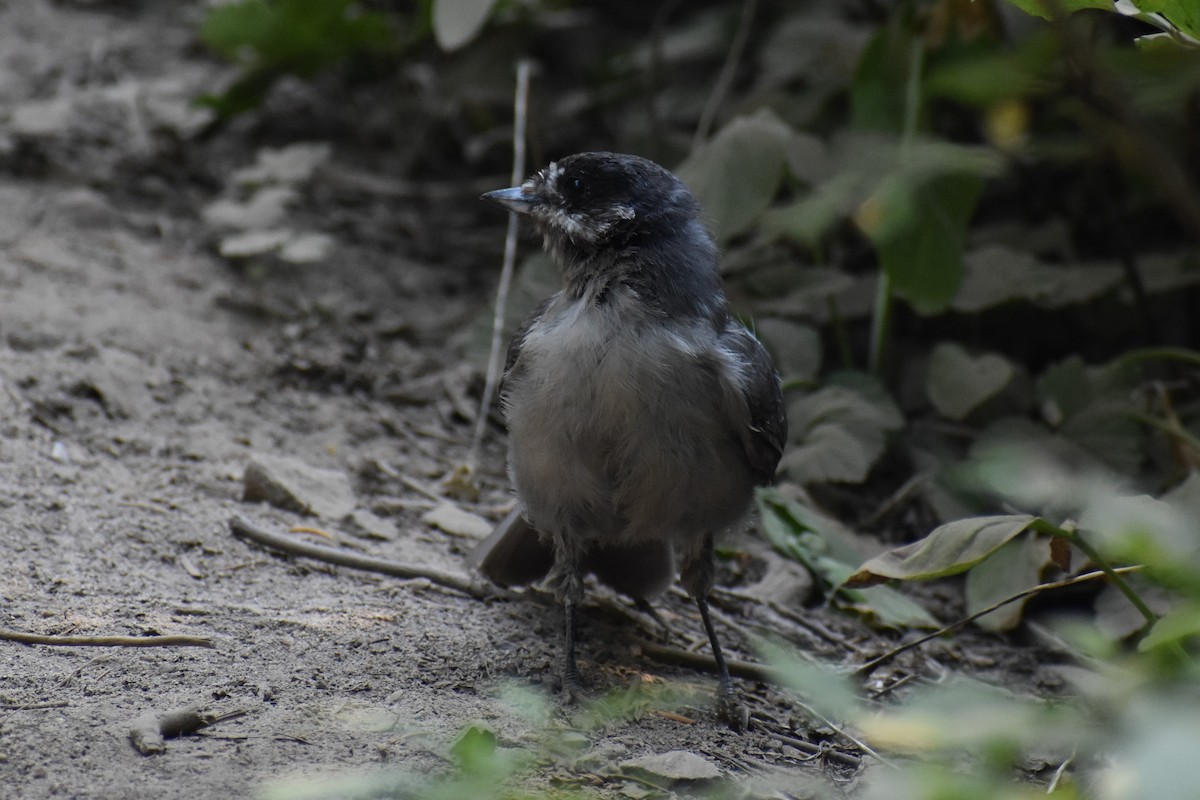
point(272, 38)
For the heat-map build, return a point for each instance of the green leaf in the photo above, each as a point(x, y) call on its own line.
point(806, 220)
point(957, 383)
point(912, 199)
point(1010, 570)
point(270, 38)
point(1092, 408)
point(1144, 530)
point(949, 550)
point(475, 750)
point(827, 548)
point(456, 22)
point(806, 534)
point(829, 693)
point(737, 174)
point(1176, 626)
point(1045, 10)
point(840, 432)
point(1183, 14)
point(996, 275)
point(877, 94)
point(887, 608)
point(795, 348)
point(982, 75)
point(919, 233)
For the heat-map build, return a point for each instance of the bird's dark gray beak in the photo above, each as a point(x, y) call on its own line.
point(514, 199)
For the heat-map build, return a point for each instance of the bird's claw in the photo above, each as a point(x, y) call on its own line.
point(572, 687)
point(732, 712)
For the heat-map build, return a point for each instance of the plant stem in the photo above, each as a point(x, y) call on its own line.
point(881, 317)
point(1075, 538)
point(495, 355)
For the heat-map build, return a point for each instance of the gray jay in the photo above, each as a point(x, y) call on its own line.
point(641, 414)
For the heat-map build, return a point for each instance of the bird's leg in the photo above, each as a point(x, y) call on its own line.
point(572, 684)
point(567, 579)
point(725, 691)
point(698, 575)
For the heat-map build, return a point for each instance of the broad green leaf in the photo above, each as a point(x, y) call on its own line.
point(840, 432)
point(1183, 14)
point(1065, 389)
point(475, 750)
point(807, 158)
point(1178, 625)
point(957, 383)
point(1144, 530)
point(886, 607)
point(827, 548)
point(1091, 407)
point(301, 37)
point(736, 175)
point(923, 257)
point(960, 716)
point(891, 189)
point(1045, 10)
point(1015, 567)
point(877, 94)
point(949, 550)
point(456, 22)
point(795, 348)
point(806, 220)
point(806, 534)
point(996, 275)
point(982, 77)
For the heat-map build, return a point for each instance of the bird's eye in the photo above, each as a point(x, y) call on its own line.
point(574, 187)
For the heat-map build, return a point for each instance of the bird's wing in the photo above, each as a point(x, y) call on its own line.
point(766, 434)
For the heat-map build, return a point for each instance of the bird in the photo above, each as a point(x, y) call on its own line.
point(641, 413)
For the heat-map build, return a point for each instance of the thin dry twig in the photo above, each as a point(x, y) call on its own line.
point(34, 706)
point(725, 78)
point(106, 641)
point(520, 115)
point(1041, 587)
point(706, 663)
point(240, 526)
point(817, 750)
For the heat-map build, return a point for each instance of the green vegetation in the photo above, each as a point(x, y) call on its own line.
point(971, 235)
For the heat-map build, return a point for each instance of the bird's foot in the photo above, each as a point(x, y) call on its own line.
point(572, 687)
point(731, 711)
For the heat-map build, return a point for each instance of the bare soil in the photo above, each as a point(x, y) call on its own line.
point(140, 373)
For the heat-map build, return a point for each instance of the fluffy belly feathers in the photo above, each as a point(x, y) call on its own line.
point(635, 443)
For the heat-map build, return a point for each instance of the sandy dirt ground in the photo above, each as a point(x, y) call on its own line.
point(141, 373)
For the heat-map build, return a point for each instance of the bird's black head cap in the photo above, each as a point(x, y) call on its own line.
point(597, 200)
point(608, 217)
